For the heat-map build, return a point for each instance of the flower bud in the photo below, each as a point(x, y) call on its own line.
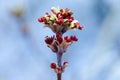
point(65, 64)
point(73, 38)
point(59, 37)
point(67, 39)
point(42, 19)
point(53, 65)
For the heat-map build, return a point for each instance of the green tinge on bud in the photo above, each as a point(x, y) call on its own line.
point(56, 9)
point(53, 17)
point(65, 64)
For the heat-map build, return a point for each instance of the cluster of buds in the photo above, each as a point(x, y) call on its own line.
point(59, 69)
point(60, 20)
point(58, 44)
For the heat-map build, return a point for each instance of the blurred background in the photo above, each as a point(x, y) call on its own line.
point(25, 56)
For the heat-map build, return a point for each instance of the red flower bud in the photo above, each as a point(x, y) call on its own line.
point(42, 19)
point(64, 15)
point(53, 65)
point(72, 18)
point(48, 15)
point(65, 63)
point(67, 39)
point(53, 11)
point(60, 21)
point(66, 10)
point(80, 27)
point(73, 38)
point(49, 40)
point(61, 10)
point(59, 37)
point(64, 66)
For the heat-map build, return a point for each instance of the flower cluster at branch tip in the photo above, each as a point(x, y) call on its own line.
point(60, 20)
point(58, 69)
point(58, 44)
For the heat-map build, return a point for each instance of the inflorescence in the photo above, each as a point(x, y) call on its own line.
point(60, 21)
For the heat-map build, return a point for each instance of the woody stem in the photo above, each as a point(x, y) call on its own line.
point(59, 75)
point(59, 60)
